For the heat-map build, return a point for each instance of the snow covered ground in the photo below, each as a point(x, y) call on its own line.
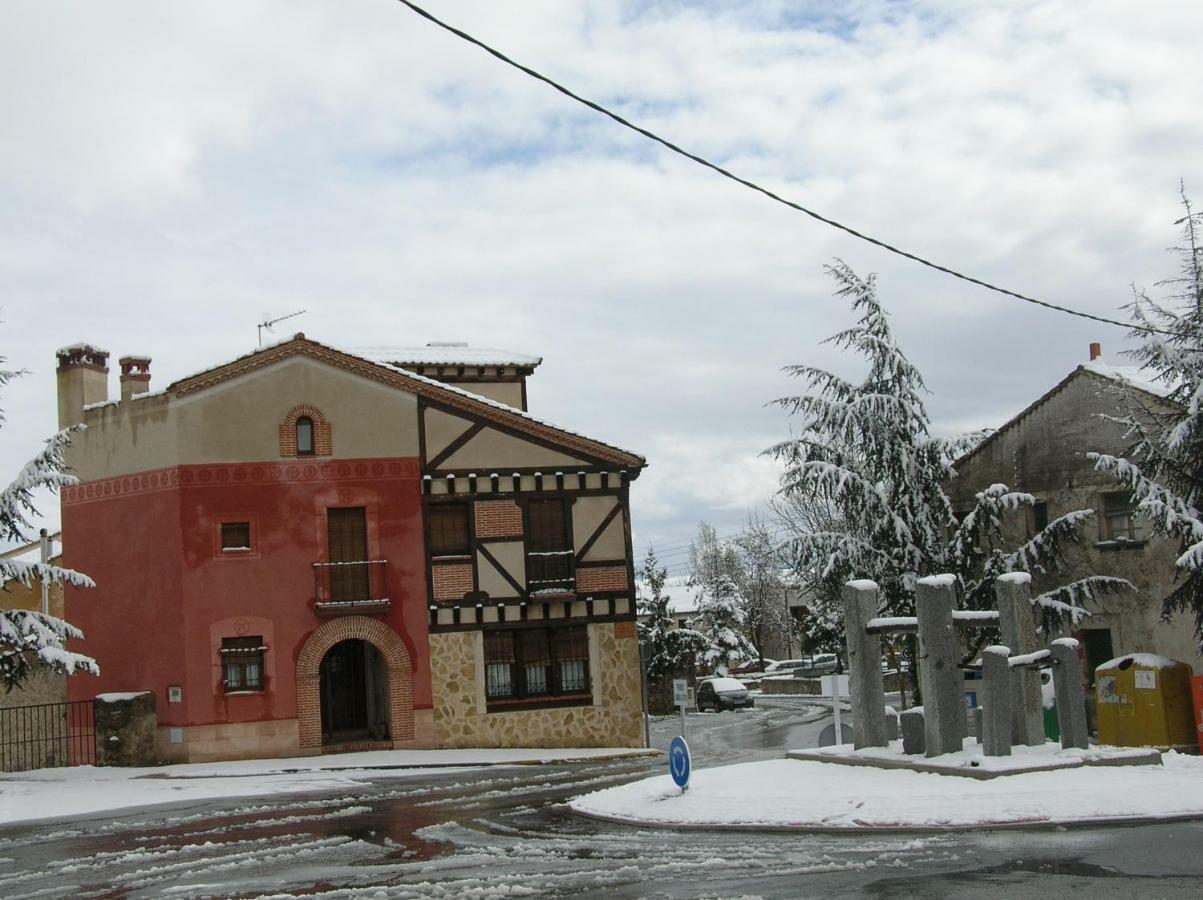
point(52, 793)
point(824, 796)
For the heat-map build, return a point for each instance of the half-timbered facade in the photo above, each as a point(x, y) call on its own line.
point(307, 549)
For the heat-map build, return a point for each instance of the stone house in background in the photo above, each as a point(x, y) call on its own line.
point(306, 550)
point(1042, 451)
point(43, 685)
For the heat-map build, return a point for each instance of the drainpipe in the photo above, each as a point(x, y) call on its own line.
point(45, 542)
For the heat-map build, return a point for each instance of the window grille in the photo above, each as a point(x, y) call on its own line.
point(537, 665)
point(242, 663)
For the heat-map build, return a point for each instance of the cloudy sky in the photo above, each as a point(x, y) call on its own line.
point(171, 174)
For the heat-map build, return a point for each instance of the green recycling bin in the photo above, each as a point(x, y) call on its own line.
point(1052, 725)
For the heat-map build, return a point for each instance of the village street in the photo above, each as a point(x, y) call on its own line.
point(503, 832)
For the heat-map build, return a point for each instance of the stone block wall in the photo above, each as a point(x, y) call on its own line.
point(125, 729)
point(614, 719)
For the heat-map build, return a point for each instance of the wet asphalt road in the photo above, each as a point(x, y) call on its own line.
point(502, 832)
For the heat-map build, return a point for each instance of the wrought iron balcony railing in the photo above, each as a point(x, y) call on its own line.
point(358, 586)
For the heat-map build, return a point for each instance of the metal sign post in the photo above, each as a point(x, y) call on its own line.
point(681, 698)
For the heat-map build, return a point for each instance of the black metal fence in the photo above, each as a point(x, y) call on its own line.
point(48, 734)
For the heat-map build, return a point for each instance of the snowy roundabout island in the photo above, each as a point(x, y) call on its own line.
point(808, 795)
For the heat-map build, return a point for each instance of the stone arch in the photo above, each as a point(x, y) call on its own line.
point(396, 659)
point(323, 440)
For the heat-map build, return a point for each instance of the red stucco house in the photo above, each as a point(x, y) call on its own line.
point(306, 549)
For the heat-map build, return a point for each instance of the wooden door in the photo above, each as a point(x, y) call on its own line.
point(347, 535)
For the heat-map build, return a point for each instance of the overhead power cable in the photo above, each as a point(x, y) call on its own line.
point(751, 185)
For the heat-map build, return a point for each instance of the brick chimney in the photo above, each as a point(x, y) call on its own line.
point(83, 378)
point(1096, 350)
point(135, 375)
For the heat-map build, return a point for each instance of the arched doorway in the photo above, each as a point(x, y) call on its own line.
point(353, 693)
point(394, 666)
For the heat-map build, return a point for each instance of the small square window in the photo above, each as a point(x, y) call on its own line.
point(242, 663)
point(235, 537)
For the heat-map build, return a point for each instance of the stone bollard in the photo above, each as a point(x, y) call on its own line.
point(865, 688)
point(939, 674)
point(1018, 627)
point(996, 694)
point(912, 730)
point(1071, 698)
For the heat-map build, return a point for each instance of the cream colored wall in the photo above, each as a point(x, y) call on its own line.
point(511, 555)
point(134, 436)
point(238, 421)
point(502, 392)
point(587, 514)
point(441, 429)
point(497, 451)
point(614, 719)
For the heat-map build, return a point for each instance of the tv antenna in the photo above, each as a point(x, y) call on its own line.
point(270, 322)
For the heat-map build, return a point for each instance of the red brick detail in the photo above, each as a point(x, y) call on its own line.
point(451, 582)
point(323, 442)
point(624, 629)
point(602, 578)
point(498, 518)
point(224, 475)
point(396, 658)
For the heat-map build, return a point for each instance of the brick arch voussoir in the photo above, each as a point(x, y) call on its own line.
point(397, 662)
point(304, 409)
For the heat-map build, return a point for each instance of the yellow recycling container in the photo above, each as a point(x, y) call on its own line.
point(1144, 701)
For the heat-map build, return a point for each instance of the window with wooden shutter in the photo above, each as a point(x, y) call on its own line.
point(449, 529)
point(347, 536)
point(549, 552)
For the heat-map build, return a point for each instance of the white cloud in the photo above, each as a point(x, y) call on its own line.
point(182, 170)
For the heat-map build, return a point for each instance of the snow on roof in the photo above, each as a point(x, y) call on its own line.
point(1132, 376)
point(449, 353)
point(1144, 660)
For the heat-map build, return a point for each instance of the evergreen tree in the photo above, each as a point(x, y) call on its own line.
point(28, 637)
point(721, 622)
point(865, 459)
point(1164, 467)
point(667, 650)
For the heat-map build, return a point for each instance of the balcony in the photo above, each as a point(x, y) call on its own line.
point(551, 573)
point(350, 588)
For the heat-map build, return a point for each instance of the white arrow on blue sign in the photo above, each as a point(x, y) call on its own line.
point(679, 763)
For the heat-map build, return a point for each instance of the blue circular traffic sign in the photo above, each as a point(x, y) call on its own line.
point(679, 763)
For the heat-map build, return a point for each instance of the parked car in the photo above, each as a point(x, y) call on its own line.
point(752, 668)
point(723, 693)
point(819, 664)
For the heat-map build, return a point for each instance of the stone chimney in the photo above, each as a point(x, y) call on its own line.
point(135, 375)
point(83, 378)
point(1096, 350)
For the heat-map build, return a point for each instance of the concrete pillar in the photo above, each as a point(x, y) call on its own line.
point(939, 675)
point(996, 701)
point(912, 730)
point(1071, 698)
point(1018, 626)
point(865, 687)
point(82, 375)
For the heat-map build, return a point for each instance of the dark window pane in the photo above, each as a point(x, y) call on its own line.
point(1119, 521)
point(499, 664)
point(548, 526)
point(347, 535)
point(449, 529)
point(304, 436)
point(571, 647)
point(235, 535)
point(242, 663)
point(536, 661)
point(1040, 515)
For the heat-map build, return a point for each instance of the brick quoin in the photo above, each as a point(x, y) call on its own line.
point(608, 578)
point(452, 582)
point(397, 661)
point(498, 518)
point(323, 441)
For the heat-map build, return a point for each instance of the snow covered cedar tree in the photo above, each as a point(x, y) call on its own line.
point(1164, 467)
point(29, 638)
point(667, 651)
point(866, 458)
point(721, 622)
